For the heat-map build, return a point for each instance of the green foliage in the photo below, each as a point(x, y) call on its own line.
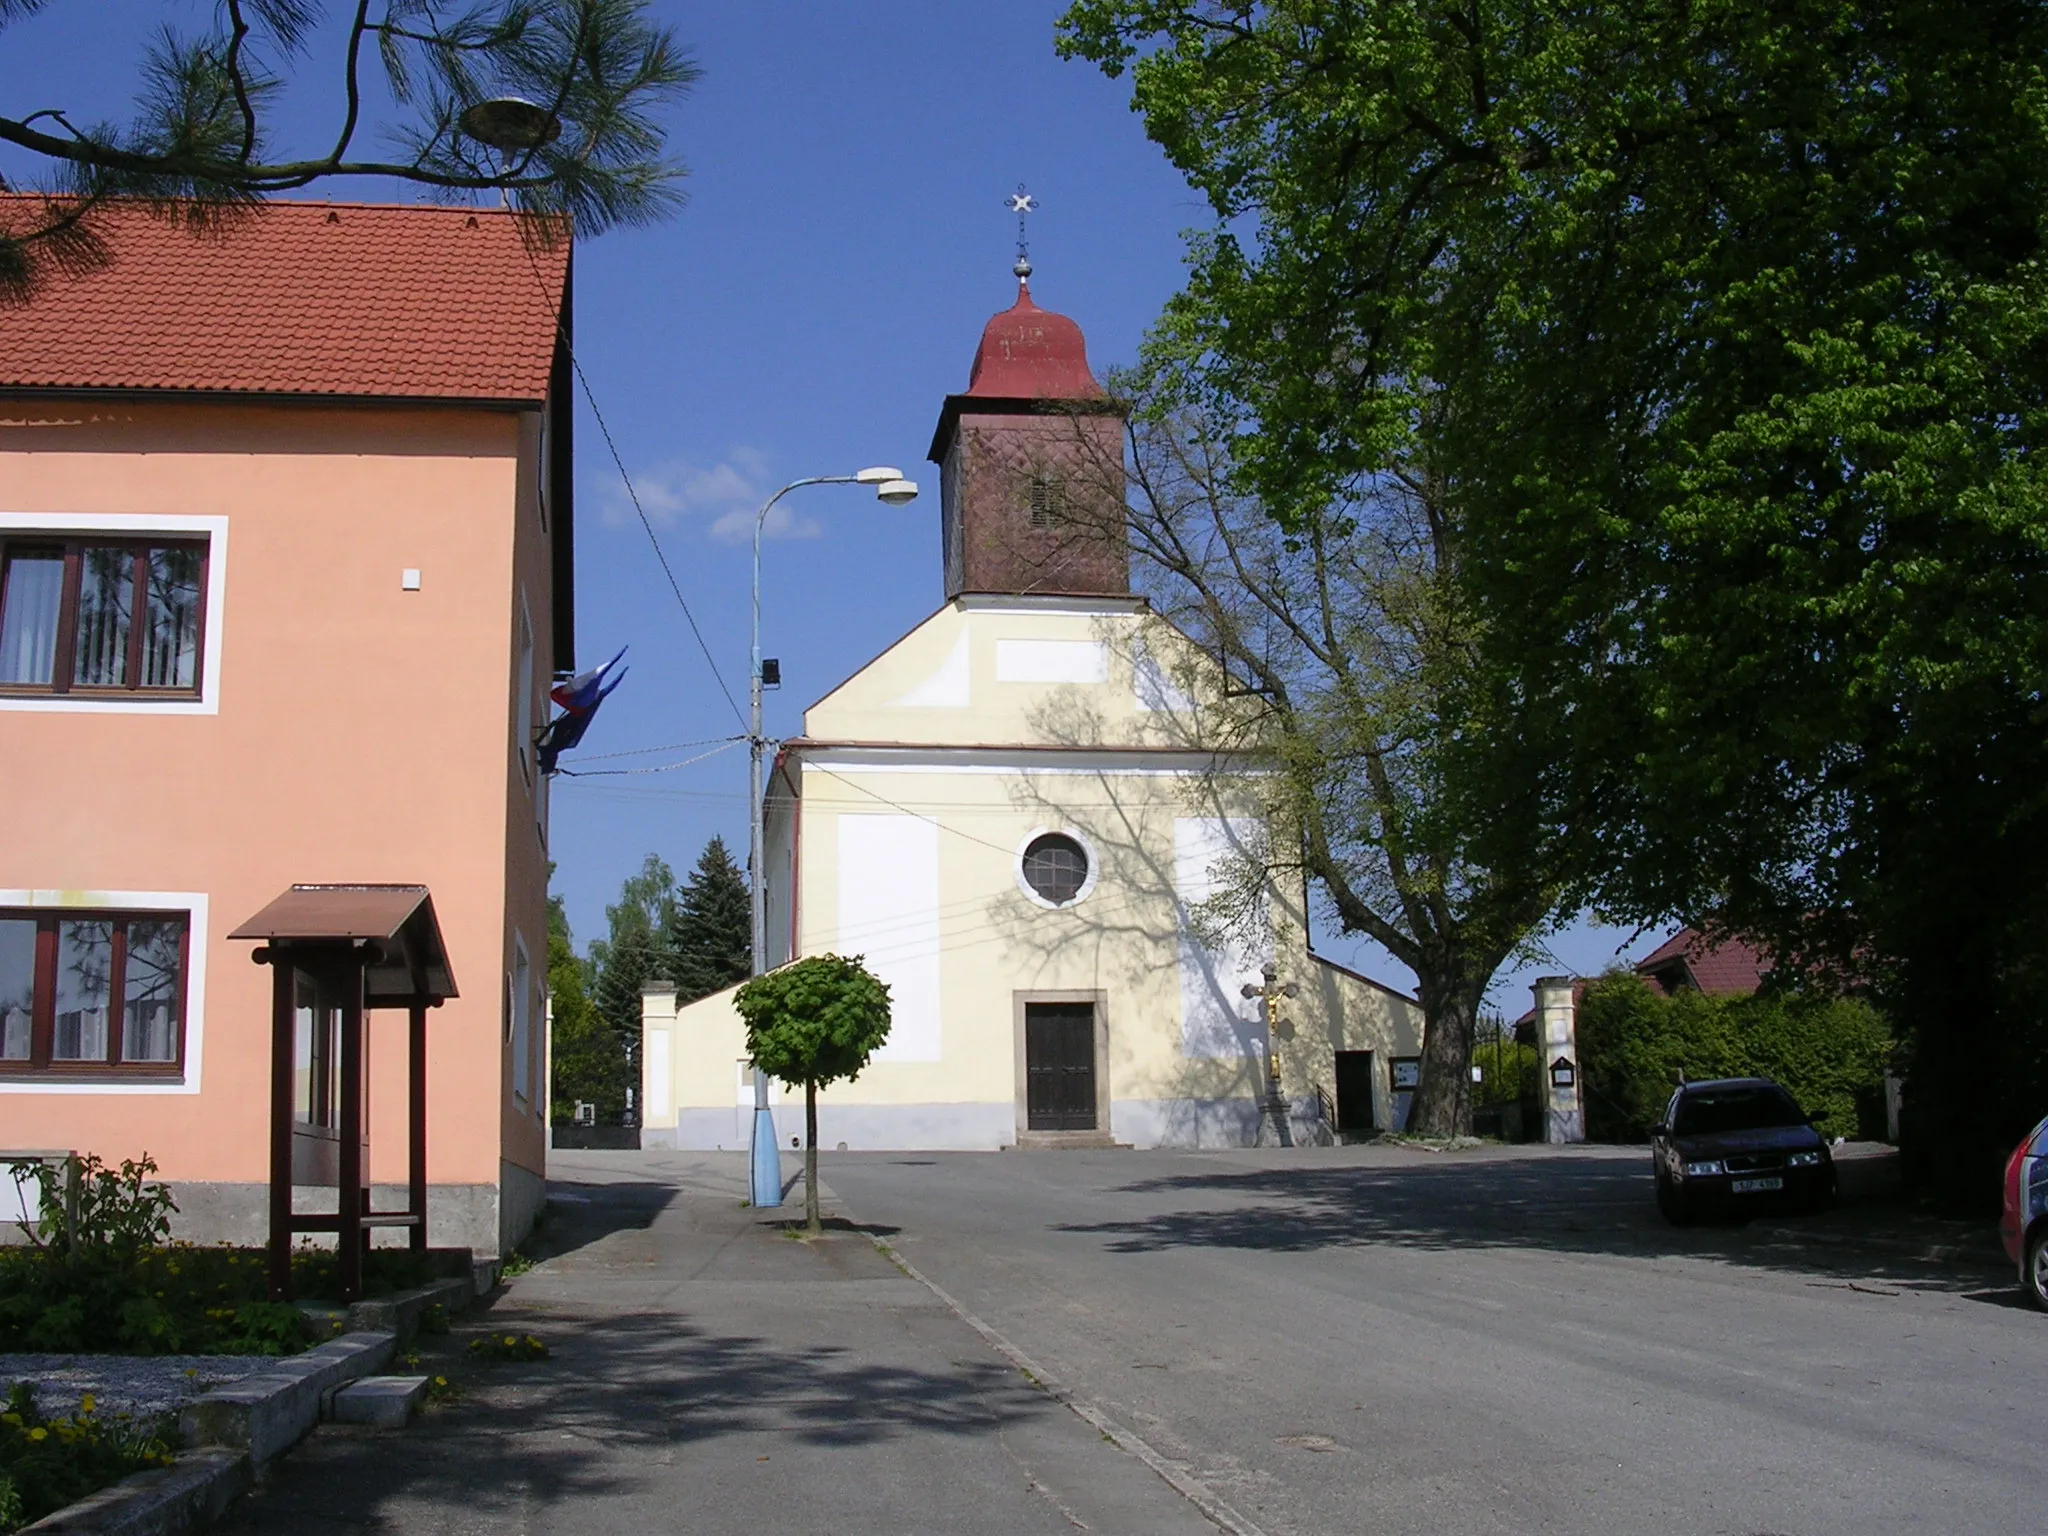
point(47, 1463)
point(633, 951)
point(697, 936)
point(1504, 1065)
point(175, 1298)
point(814, 1021)
point(588, 1058)
point(203, 141)
point(709, 930)
point(88, 1210)
point(1727, 323)
point(1352, 652)
point(1635, 1045)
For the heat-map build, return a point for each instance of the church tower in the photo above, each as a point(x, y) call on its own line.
point(1031, 464)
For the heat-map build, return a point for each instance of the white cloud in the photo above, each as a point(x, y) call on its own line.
point(720, 500)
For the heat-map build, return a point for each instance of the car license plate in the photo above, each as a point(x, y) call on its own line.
point(1756, 1186)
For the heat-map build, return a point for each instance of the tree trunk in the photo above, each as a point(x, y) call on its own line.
point(1442, 1105)
point(811, 1222)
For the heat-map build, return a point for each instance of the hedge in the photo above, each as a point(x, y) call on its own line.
point(1636, 1045)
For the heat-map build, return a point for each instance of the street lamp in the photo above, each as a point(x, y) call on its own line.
point(510, 124)
point(892, 490)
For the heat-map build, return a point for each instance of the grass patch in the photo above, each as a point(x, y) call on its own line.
point(47, 1463)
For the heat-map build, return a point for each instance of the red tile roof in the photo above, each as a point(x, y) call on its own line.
point(319, 299)
point(1730, 966)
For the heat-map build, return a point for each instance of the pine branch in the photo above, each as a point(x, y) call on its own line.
point(600, 69)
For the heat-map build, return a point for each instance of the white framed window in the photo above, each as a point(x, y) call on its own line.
point(522, 1021)
point(111, 613)
point(522, 706)
point(102, 992)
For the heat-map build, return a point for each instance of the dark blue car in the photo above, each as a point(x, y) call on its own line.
point(2023, 1221)
point(1737, 1147)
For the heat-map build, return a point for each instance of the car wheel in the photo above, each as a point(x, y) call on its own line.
point(1673, 1205)
point(2036, 1272)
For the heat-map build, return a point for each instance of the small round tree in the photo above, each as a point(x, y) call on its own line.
point(814, 1021)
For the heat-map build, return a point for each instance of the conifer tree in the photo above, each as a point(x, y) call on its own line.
point(711, 938)
point(634, 951)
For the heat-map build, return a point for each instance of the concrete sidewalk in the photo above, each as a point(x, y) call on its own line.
point(711, 1374)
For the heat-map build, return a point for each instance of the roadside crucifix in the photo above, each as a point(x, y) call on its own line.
point(1274, 1129)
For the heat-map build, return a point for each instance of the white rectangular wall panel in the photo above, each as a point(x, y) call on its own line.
point(1156, 692)
point(661, 1082)
point(889, 914)
point(1052, 661)
point(1217, 1021)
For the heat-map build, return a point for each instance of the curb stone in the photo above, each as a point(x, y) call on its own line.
point(165, 1501)
point(233, 1431)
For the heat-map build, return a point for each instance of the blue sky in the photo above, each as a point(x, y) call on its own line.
point(806, 313)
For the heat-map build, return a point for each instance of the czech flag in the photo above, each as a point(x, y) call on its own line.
point(579, 698)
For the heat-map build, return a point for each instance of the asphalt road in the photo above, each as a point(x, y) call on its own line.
point(1356, 1340)
point(707, 1374)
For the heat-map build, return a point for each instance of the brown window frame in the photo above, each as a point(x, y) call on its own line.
point(72, 545)
point(43, 1007)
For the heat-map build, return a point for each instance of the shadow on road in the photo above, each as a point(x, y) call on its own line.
point(618, 1398)
point(579, 1214)
point(1579, 1204)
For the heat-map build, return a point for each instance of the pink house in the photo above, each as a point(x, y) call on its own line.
point(285, 567)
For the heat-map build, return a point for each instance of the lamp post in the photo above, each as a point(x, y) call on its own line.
point(891, 489)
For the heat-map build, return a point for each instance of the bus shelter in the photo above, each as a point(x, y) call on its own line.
point(336, 952)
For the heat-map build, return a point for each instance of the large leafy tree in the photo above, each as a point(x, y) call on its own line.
point(203, 140)
point(710, 933)
point(1725, 320)
point(1347, 643)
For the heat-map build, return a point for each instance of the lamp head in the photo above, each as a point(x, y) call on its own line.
point(510, 124)
point(896, 493)
point(879, 474)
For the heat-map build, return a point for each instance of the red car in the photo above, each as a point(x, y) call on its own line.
point(2023, 1222)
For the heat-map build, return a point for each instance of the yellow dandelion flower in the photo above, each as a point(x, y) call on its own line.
point(85, 1403)
point(39, 1433)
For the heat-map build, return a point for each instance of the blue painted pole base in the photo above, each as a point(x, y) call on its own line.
point(767, 1161)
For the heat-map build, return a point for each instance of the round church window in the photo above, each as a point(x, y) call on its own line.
point(1056, 867)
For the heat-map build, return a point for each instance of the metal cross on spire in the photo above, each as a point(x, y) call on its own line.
point(1022, 204)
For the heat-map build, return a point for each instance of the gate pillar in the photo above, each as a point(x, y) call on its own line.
point(1560, 1086)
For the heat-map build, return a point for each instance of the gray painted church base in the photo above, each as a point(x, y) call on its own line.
point(958, 1127)
point(471, 1216)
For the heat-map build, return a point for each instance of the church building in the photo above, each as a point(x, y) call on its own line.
point(1012, 817)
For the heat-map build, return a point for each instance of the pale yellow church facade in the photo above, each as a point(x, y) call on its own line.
point(1011, 817)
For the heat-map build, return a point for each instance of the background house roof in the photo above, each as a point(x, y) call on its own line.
point(296, 298)
point(1729, 966)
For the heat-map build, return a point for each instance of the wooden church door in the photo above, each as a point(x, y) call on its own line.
point(1059, 1066)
